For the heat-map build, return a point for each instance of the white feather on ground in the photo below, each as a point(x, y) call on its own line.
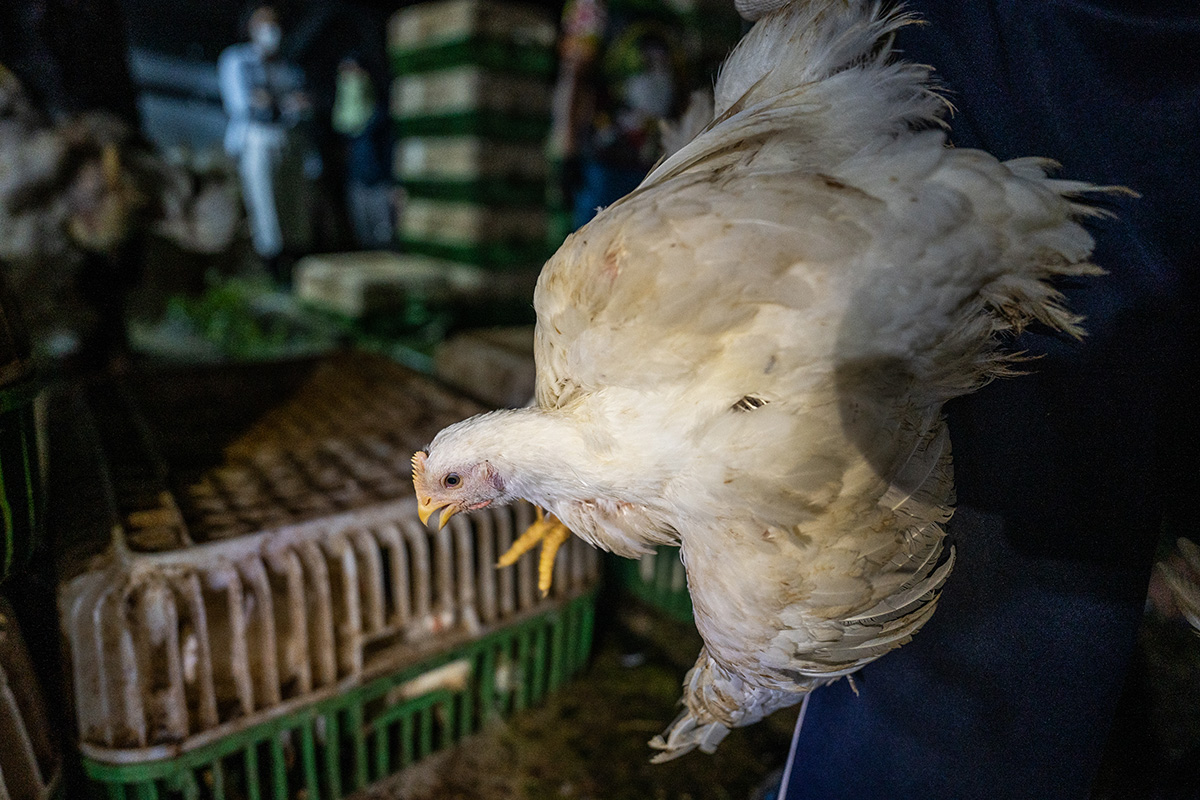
point(748, 356)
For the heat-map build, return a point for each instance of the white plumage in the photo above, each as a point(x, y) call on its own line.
point(748, 356)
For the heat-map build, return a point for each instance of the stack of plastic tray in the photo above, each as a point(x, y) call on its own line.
point(471, 104)
point(29, 762)
point(280, 624)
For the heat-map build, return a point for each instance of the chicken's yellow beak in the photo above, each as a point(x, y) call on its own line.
point(426, 505)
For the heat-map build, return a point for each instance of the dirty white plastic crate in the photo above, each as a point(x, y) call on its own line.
point(468, 158)
point(425, 25)
point(199, 642)
point(294, 569)
point(356, 284)
point(469, 88)
point(29, 761)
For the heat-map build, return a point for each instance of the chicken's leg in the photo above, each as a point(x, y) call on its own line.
point(551, 533)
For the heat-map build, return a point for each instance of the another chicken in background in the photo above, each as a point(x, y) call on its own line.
point(77, 197)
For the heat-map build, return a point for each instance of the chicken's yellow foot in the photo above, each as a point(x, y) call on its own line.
point(551, 533)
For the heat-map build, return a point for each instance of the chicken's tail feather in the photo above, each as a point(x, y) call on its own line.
point(767, 88)
point(804, 41)
point(684, 735)
point(717, 700)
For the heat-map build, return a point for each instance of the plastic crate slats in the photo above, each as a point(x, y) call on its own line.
point(160, 657)
point(168, 650)
point(400, 600)
point(349, 739)
point(422, 603)
point(370, 581)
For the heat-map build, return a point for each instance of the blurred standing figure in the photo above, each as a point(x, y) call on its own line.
point(619, 74)
point(264, 97)
point(362, 125)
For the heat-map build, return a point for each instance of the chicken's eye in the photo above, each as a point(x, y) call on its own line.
point(452, 480)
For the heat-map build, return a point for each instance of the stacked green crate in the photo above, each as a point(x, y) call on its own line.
point(471, 106)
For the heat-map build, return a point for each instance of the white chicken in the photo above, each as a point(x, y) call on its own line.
point(748, 355)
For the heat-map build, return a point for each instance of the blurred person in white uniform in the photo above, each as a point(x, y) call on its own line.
point(264, 97)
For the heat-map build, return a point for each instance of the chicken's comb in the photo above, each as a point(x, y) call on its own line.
point(418, 463)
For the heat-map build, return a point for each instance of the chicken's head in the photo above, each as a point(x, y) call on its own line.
point(453, 487)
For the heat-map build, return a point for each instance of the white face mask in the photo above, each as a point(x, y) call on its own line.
point(266, 38)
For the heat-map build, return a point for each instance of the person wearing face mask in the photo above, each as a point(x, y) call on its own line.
point(264, 97)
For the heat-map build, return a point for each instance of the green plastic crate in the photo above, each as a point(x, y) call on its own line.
point(489, 124)
point(659, 580)
point(493, 54)
point(503, 35)
point(20, 485)
point(469, 160)
point(340, 743)
point(487, 192)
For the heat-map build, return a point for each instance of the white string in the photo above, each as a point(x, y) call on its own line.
point(787, 771)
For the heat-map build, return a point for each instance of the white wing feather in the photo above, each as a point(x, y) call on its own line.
point(773, 319)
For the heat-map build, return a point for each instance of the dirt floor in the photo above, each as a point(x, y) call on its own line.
point(589, 740)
